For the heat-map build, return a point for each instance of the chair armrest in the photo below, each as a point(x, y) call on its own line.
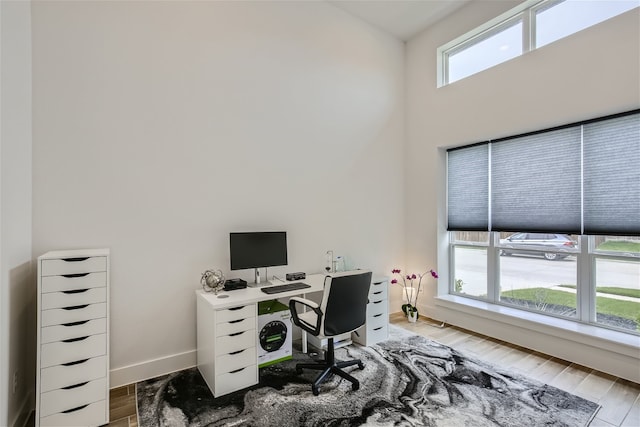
point(293, 307)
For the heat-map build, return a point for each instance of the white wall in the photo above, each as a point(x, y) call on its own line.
point(159, 127)
point(17, 285)
point(589, 74)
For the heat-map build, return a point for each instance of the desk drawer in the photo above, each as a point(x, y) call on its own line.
point(74, 297)
point(94, 414)
point(56, 267)
point(238, 341)
point(60, 352)
point(238, 359)
point(232, 381)
point(62, 376)
point(59, 316)
point(377, 307)
point(377, 334)
point(234, 326)
point(378, 293)
point(377, 320)
point(71, 282)
point(236, 313)
point(61, 400)
point(73, 330)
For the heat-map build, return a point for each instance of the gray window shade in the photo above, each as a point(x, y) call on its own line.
point(468, 186)
point(612, 176)
point(535, 182)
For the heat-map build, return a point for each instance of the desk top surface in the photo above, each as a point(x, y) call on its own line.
point(251, 295)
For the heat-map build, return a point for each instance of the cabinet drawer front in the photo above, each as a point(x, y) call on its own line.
point(73, 330)
point(236, 313)
point(234, 326)
point(377, 320)
point(378, 293)
point(377, 307)
point(239, 341)
point(94, 414)
point(62, 376)
point(232, 381)
point(236, 360)
point(377, 334)
point(53, 402)
point(71, 282)
point(55, 267)
point(73, 298)
point(60, 352)
point(59, 316)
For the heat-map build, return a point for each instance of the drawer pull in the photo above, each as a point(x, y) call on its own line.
point(236, 321)
point(377, 315)
point(69, 387)
point(377, 329)
point(71, 276)
point(376, 293)
point(76, 339)
point(377, 302)
point(77, 362)
point(81, 322)
point(236, 308)
point(235, 334)
point(68, 411)
point(237, 352)
point(236, 371)
point(75, 291)
point(75, 307)
point(75, 259)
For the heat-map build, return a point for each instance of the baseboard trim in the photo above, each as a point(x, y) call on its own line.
point(152, 368)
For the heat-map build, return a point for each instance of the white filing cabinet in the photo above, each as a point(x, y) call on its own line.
point(72, 378)
point(227, 356)
point(377, 327)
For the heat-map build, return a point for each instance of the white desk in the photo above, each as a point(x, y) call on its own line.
point(227, 334)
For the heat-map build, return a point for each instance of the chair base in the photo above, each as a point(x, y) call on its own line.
point(330, 366)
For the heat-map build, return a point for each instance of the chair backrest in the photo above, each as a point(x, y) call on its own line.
point(344, 302)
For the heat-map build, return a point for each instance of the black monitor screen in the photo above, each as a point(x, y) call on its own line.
point(257, 249)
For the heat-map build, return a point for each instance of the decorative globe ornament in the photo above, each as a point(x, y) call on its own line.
point(212, 281)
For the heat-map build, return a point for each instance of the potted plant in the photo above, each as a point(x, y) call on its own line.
point(410, 309)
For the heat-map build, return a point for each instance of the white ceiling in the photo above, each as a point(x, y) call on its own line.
point(400, 18)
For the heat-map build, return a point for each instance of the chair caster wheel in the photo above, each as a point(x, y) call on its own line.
point(315, 391)
point(361, 366)
point(355, 386)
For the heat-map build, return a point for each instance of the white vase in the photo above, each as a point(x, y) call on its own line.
point(412, 316)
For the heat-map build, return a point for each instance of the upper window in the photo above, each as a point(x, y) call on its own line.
point(531, 25)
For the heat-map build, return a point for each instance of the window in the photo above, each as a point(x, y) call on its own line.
point(531, 25)
point(550, 221)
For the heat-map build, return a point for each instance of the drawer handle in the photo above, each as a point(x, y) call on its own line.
point(236, 308)
point(75, 307)
point(237, 352)
point(235, 334)
point(68, 411)
point(80, 322)
point(69, 387)
point(236, 321)
point(75, 259)
point(236, 371)
point(377, 302)
point(377, 329)
point(70, 276)
point(377, 315)
point(76, 339)
point(376, 293)
point(77, 362)
point(75, 291)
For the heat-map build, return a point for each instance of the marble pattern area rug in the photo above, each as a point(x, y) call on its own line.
point(407, 381)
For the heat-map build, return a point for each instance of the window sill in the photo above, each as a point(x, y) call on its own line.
point(618, 342)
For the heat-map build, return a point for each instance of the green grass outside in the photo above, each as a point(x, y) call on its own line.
point(619, 246)
point(625, 292)
point(626, 309)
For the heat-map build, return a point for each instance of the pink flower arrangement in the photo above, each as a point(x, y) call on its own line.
point(407, 283)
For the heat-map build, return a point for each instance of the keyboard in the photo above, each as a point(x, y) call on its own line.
point(284, 288)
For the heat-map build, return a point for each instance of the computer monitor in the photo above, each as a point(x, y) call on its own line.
point(257, 250)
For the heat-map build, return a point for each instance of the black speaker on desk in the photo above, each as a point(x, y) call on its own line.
point(233, 284)
point(295, 276)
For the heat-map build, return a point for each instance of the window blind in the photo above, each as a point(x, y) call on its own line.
point(582, 178)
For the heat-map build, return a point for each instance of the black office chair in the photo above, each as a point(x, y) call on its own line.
point(343, 309)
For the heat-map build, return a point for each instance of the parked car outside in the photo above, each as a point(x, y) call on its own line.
point(534, 244)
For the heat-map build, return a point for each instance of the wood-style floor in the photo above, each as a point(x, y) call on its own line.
point(620, 399)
